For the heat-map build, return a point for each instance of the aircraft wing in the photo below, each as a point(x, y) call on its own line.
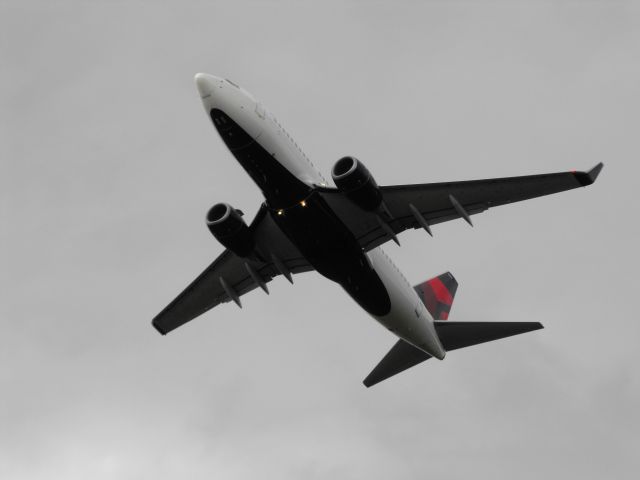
point(229, 276)
point(414, 206)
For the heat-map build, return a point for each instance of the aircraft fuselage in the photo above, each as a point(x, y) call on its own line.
point(292, 189)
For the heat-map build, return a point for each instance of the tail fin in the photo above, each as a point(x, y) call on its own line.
point(437, 295)
point(453, 335)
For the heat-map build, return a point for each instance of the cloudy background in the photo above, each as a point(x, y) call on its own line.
point(109, 163)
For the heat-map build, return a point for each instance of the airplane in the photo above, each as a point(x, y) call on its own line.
point(306, 225)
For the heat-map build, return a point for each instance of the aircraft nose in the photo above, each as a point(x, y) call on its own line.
point(206, 84)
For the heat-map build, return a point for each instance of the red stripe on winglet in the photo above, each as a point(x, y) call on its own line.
point(441, 291)
point(444, 316)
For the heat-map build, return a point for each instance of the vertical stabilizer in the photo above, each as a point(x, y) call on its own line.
point(437, 295)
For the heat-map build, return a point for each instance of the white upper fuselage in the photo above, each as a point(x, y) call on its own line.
point(407, 318)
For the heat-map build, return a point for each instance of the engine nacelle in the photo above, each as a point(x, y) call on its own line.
point(354, 180)
point(230, 229)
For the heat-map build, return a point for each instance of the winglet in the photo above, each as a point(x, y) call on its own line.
point(587, 178)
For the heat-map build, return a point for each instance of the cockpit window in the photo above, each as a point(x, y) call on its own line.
point(235, 85)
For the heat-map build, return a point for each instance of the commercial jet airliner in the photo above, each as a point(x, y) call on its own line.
point(304, 224)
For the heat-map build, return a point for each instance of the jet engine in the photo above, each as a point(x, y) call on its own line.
point(354, 180)
point(229, 228)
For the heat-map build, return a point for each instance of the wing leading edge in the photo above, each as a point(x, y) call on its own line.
point(423, 205)
point(229, 276)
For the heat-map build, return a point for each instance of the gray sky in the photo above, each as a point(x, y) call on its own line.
point(109, 163)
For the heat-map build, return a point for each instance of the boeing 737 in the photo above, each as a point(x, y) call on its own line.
point(306, 225)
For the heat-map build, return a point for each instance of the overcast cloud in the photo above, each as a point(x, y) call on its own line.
point(109, 163)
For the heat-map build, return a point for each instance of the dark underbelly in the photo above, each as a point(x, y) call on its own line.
point(333, 251)
point(326, 243)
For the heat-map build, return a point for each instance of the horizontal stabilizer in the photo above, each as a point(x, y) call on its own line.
point(453, 335)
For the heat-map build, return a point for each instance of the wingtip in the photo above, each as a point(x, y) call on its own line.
point(595, 171)
point(588, 178)
point(157, 327)
point(370, 382)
